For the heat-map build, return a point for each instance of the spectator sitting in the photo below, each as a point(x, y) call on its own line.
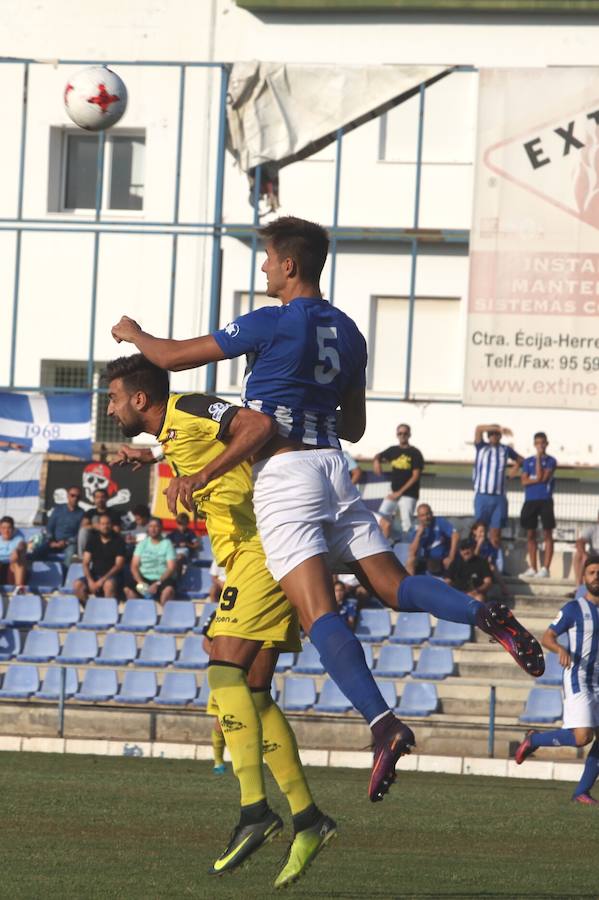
point(63, 527)
point(139, 530)
point(347, 605)
point(103, 562)
point(13, 564)
point(183, 539)
point(587, 544)
point(470, 573)
point(217, 581)
point(91, 519)
point(433, 543)
point(153, 566)
point(493, 555)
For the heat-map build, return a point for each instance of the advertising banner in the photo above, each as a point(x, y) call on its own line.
point(533, 310)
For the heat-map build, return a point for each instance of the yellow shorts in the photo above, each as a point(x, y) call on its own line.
point(211, 707)
point(253, 606)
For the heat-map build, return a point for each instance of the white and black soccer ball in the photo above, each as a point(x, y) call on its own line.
point(95, 98)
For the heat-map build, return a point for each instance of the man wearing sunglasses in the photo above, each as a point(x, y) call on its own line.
point(407, 464)
point(493, 461)
point(63, 527)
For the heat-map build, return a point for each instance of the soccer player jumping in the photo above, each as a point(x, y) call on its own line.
point(306, 368)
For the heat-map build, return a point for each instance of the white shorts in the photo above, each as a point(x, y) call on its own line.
point(405, 506)
point(581, 710)
point(306, 504)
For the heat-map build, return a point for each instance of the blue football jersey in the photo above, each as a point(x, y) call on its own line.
point(301, 359)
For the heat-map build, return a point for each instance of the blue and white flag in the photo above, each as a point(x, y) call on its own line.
point(20, 485)
point(47, 423)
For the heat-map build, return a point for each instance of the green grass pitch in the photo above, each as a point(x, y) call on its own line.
point(85, 827)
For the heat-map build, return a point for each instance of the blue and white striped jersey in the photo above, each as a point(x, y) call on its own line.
point(580, 620)
point(301, 359)
point(489, 467)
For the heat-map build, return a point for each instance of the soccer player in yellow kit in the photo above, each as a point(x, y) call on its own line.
point(254, 620)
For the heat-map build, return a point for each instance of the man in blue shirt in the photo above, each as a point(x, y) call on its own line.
point(306, 369)
point(579, 619)
point(63, 527)
point(433, 543)
point(538, 479)
point(490, 467)
point(12, 554)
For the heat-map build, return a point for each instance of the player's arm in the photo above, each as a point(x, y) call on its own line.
point(247, 432)
point(138, 456)
point(351, 418)
point(166, 352)
point(550, 642)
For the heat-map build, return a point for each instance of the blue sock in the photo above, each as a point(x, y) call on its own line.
point(419, 594)
point(342, 656)
point(560, 737)
point(590, 771)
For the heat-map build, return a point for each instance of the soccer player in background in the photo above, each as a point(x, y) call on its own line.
point(254, 621)
point(579, 619)
point(306, 365)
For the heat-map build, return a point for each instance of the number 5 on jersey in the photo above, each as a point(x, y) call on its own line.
point(326, 338)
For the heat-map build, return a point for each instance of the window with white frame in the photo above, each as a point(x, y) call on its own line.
point(436, 366)
point(123, 176)
point(72, 373)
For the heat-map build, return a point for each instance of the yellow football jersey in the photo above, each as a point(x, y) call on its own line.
point(191, 437)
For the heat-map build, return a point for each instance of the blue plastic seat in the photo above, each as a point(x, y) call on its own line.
point(157, 650)
point(20, 682)
point(331, 699)
point(119, 649)
point(202, 699)
point(207, 611)
point(62, 611)
point(418, 700)
point(192, 654)
point(99, 685)
point(99, 614)
point(450, 634)
point(23, 610)
point(411, 628)
point(50, 689)
point(298, 693)
point(40, 646)
point(178, 689)
point(139, 615)
point(284, 662)
point(74, 572)
point(177, 617)
point(368, 655)
point(308, 661)
point(194, 583)
point(553, 673)
point(387, 689)
point(373, 625)
point(79, 648)
point(205, 556)
point(137, 687)
point(10, 643)
point(45, 576)
point(434, 662)
point(543, 705)
point(395, 661)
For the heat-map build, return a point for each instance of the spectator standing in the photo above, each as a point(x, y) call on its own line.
point(433, 543)
point(538, 473)
point(490, 465)
point(355, 472)
point(63, 527)
point(13, 548)
point(407, 464)
point(103, 562)
point(587, 544)
point(153, 566)
point(470, 573)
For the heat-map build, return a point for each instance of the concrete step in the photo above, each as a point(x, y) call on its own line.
point(539, 587)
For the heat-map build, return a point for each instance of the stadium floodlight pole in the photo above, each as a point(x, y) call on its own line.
point(338, 148)
point(176, 203)
point(256, 223)
point(412, 298)
point(18, 236)
point(215, 281)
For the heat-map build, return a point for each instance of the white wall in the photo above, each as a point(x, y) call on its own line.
point(134, 273)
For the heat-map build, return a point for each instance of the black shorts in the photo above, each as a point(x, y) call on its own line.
point(533, 510)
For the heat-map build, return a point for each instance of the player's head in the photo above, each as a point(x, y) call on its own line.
point(296, 251)
point(494, 434)
point(135, 385)
point(590, 575)
point(540, 441)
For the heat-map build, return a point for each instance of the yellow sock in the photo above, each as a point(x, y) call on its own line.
point(218, 746)
point(241, 727)
point(281, 753)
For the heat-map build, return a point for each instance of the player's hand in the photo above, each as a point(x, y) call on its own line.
point(126, 329)
point(565, 660)
point(182, 488)
point(134, 456)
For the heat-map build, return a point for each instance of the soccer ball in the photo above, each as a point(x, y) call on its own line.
point(95, 98)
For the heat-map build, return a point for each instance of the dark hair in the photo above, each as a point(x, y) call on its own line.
point(591, 561)
point(540, 434)
point(105, 515)
point(74, 487)
point(466, 544)
point(141, 510)
point(155, 519)
point(476, 525)
point(101, 491)
point(305, 242)
point(182, 519)
point(138, 374)
point(8, 519)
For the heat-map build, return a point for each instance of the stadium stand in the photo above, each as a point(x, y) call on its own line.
point(23, 610)
point(298, 693)
point(394, 661)
point(139, 615)
point(74, 572)
point(373, 625)
point(45, 576)
point(10, 643)
point(178, 689)
point(157, 650)
point(418, 700)
point(50, 689)
point(331, 699)
point(543, 706)
point(40, 646)
point(202, 699)
point(20, 682)
point(434, 662)
point(308, 661)
point(194, 583)
point(137, 687)
point(177, 617)
point(552, 676)
point(206, 613)
point(100, 613)
point(119, 649)
point(98, 686)
point(387, 689)
point(411, 628)
point(285, 662)
point(62, 611)
point(80, 647)
point(450, 634)
point(192, 654)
